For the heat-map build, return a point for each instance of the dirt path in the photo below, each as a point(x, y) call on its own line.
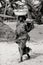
point(9, 54)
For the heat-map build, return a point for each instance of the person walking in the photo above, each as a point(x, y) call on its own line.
point(22, 37)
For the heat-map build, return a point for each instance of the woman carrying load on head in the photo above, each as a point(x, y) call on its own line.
point(22, 37)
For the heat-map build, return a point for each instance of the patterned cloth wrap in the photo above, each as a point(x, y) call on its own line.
point(22, 37)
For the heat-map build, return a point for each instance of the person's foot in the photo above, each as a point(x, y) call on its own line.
point(21, 60)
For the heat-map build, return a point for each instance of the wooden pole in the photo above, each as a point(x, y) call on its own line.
point(5, 10)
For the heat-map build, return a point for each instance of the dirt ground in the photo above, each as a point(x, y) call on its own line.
point(9, 54)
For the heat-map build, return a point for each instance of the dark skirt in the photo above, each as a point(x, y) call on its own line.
point(22, 39)
point(25, 50)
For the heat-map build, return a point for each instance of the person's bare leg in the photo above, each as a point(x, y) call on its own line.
point(28, 56)
point(21, 54)
point(27, 53)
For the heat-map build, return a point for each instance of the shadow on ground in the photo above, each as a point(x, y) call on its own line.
point(33, 56)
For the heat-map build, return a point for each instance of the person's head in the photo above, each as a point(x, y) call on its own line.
point(21, 18)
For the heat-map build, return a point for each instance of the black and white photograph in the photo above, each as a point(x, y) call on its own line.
point(21, 32)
